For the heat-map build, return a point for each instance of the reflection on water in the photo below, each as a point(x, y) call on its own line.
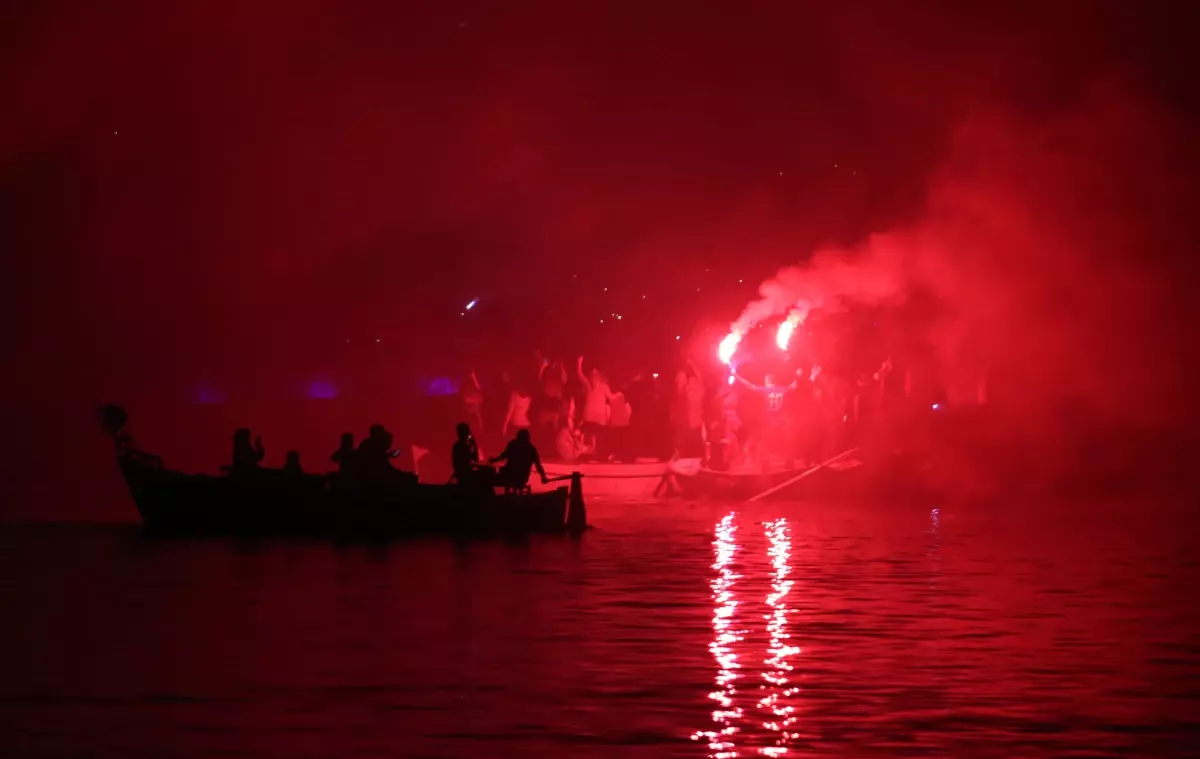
point(725, 635)
point(776, 670)
point(882, 629)
point(776, 689)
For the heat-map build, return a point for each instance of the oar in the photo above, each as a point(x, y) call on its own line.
point(801, 476)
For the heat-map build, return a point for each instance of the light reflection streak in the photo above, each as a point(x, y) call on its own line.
point(721, 742)
point(779, 714)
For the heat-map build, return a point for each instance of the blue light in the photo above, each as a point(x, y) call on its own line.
point(207, 396)
point(441, 386)
point(322, 390)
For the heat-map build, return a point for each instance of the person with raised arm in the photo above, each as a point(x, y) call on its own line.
point(776, 430)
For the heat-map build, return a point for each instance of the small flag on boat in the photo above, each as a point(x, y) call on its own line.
point(418, 453)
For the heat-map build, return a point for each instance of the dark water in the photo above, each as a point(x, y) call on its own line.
point(798, 630)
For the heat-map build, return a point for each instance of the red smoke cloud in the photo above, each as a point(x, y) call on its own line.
point(1040, 242)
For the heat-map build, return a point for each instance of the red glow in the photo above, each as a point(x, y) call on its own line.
point(784, 335)
point(728, 347)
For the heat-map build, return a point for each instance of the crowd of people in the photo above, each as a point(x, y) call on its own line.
point(577, 412)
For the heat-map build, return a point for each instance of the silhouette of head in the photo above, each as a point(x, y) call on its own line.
point(241, 436)
point(347, 439)
point(112, 418)
point(523, 436)
point(378, 432)
point(293, 458)
point(464, 430)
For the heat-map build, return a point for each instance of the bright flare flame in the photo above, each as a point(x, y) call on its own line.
point(728, 347)
point(472, 304)
point(784, 335)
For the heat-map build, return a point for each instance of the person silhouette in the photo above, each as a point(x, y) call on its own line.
point(520, 457)
point(246, 457)
point(464, 456)
point(374, 454)
point(344, 455)
point(292, 463)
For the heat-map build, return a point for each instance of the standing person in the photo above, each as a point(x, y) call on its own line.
point(597, 394)
point(471, 394)
point(517, 416)
point(686, 417)
point(620, 417)
point(695, 398)
point(496, 398)
point(640, 394)
point(776, 430)
point(547, 404)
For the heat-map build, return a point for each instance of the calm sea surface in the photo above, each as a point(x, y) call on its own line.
point(679, 630)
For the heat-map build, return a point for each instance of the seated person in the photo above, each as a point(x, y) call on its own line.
point(521, 457)
point(291, 465)
point(246, 457)
point(372, 460)
point(464, 456)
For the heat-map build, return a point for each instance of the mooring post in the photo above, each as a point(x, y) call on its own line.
point(576, 510)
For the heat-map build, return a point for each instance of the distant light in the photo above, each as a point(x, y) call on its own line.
point(677, 337)
point(441, 386)
point(697, 289)
point(377, 339)
point(739, 281)
point(643, 297)
point(618, 316)
point(731, 379)
point(601, 321)
point(322, 390)
point(472, 304)
point(937, 406)
point(654, 375)
point(606, 289)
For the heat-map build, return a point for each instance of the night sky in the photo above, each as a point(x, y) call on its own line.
point(199, 196)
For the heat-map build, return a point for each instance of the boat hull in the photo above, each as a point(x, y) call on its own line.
point(274, 504)
point(636, 481)
point(834, 478)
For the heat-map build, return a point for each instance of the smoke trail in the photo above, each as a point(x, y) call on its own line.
point(832, 278)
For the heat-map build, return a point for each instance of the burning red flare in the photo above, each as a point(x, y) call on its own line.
point(728, 347)
point(784, 335)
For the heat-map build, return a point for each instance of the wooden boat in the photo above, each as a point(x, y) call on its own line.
point(632, 481)
point(693, 479)
point(271, 502)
